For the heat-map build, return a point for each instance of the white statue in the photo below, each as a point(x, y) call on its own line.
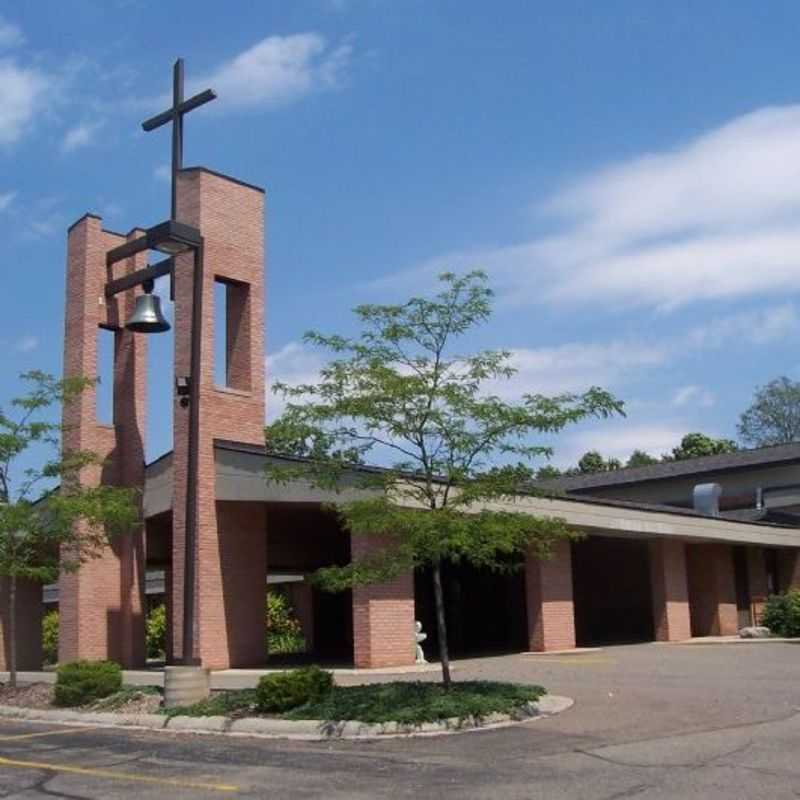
point(419, 637)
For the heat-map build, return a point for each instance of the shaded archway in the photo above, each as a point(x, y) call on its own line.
point(612, 591)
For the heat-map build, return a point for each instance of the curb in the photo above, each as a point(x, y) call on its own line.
point(316, 730)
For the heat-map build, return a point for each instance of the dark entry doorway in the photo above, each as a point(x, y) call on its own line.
point(484, 610)
point(611, 591)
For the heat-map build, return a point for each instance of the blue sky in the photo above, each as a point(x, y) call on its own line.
point(627, 172)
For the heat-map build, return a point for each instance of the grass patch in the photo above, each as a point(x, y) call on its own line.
point(417, 702)
point(235, 703)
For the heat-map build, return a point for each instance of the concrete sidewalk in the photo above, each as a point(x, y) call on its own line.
point(230, 678)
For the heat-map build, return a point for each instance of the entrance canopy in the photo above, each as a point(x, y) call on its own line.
point(240, 477)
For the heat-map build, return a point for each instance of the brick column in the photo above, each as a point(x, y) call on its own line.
point(29, 625)
point(670, 590)
point(712, 590)
point(231, 548)
point(383, 616)
point(102, 604)
point(548, 589)
point(757, 580)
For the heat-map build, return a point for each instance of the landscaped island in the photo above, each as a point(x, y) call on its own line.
point(308, 693)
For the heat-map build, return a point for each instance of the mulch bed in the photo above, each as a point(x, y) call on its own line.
point(35, 695)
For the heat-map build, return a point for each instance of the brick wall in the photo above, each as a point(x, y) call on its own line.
point(230, 216)
point(383, 615)
point(551, 612)
point(712, 590)
point(101, 605)
point(670, 588)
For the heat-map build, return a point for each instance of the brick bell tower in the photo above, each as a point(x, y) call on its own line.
point(102, 604)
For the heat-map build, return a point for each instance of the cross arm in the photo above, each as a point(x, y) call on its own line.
point(187, 105)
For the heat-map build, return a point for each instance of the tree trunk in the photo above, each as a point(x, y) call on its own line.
point(11, 624)
point(441, 625)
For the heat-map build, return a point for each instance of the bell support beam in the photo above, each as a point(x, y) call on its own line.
point(139, 277)
point(169, 237)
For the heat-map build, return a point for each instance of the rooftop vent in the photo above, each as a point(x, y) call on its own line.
point(706, 499)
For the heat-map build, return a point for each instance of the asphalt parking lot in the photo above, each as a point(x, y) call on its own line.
point(650, 721)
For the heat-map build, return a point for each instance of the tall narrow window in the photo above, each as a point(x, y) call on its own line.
point(232, 334)
point(104, 392)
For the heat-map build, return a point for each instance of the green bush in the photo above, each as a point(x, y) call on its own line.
point(82, 682)
point(284, 690)
point(782, 614)
point(50, 637)
point(156, 631)
point(284, 633)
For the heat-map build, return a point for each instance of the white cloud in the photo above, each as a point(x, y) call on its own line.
point(693, 395)
point(714, 218)
point(278, 70)
point(293, 364)
point(757, 327)
point(163, 173)
point(576, 366)
point(618, 439)
point(79, 136)
point(22, 92)
point(10, 34)
point(26, 344)
point(6, 199)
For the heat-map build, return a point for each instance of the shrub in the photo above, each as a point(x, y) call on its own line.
point(81, 682)
point(284, 690)
point(156, 631)
point(50, 637)
point(782, 613)
point(284, 633)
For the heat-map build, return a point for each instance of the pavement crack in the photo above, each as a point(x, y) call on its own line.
point(689, 765)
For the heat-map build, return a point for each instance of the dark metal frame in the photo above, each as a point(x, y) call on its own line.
point(170, 235)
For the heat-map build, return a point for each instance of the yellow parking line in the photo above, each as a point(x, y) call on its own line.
point(59, 732)
point(117, 776)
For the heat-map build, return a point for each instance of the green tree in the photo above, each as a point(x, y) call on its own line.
point(774, 415)
point(694, 445)
point(39, 533)
point(548, 472)
point(638, 458)
point(399, 394)
point(592, 461)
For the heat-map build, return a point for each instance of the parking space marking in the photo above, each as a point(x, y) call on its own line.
point(59, 732)
point(118, 776)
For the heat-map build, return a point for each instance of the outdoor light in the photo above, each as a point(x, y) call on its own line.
point(183, 388)
point(147, 316)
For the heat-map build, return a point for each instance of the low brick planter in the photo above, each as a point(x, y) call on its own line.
point(266, 727)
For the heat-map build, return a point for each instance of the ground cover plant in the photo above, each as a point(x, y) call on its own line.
point(409, 703)
point(416, 702)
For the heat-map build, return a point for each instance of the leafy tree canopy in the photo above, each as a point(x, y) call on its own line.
point(774, 415)
point(441, 423)
point(694, 445)
point(39, 534)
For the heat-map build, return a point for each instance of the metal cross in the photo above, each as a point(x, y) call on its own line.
point(175, 116)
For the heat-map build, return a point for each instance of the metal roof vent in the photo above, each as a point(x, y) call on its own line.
point(706, 499)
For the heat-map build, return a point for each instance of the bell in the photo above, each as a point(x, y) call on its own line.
point(147, 316)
